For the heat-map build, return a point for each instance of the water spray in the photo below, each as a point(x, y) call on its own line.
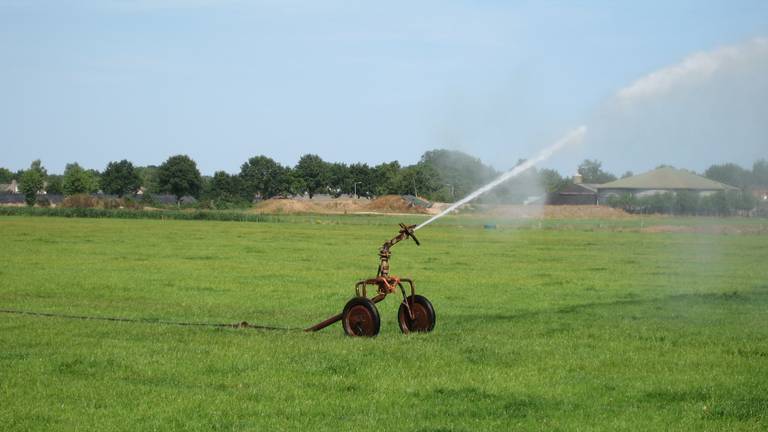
point(572, 137)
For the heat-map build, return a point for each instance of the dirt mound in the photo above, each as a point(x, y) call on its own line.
point(584, 212)
point(394, 204)
point(384, 204)
point(286, 206)
point(551, 211)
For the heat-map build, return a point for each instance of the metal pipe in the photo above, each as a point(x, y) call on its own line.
point(336, 318)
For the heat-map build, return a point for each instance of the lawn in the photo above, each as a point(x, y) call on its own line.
point(565, 325)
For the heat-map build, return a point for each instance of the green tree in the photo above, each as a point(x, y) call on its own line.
point(420, 180)
point(551, 180)
point(625, 201)
point(179, 176)
point(32, 181)
point(745, 201)
point(150, 179)
point(120, 178)
point(760, 173)
point(314, 173)
point(54, 184)
point(339, 179)
point(225, 190)
point(657, 203)
point(463, 172)
point(716, 203)
point(78, 180)
point(730, 174)
point(262, 175)
point(591, 172)
point(295, 184)
point(362, 179)
point(686, 202)
point(387, 177)
point(6, 176)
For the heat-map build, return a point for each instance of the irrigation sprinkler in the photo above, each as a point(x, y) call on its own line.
point(360, 316)
point(416, 314)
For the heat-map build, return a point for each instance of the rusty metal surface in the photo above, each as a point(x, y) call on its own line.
point(360, 321)
point(416, 314)
point(384, 282)
point(321, 325)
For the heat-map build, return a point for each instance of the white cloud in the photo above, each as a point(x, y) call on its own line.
point(694, 69)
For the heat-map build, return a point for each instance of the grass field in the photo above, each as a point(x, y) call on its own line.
point(566, 325)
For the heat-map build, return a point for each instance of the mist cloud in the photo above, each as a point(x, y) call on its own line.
point(709, 108)
point(694, 69)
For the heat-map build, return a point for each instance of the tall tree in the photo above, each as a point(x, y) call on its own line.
point(179, 176)
point(591, 172)
point(224, 188)
point(387, 177)
point(314, 172)
point(32, 181)
point(54, 184)
point(78, 180)
point(6, 176)
point(760, 173)
point(464, 173)
point(362, 179)
point(730, 174)
point(150, 178)
point(420, 180)
point(339, 179)
point(120, 178)
point(262, 175)
point(550, 180)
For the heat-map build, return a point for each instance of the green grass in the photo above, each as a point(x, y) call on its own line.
point(567, 325)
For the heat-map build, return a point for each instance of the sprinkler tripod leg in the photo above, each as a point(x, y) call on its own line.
point(336, 318)
point(324, 324)
point(405, 301)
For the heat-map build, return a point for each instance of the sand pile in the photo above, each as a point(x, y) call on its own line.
point(550, 211)
point(584, 212)
point(384, 204)
point(390, 204)
point(290, 206)
point(394, 204)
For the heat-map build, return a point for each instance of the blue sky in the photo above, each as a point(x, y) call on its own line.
point(99, 80)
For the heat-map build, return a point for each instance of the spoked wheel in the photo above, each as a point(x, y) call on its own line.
point(423, 315)
point(361, 318)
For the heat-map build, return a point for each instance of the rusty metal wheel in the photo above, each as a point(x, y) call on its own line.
point(361, 318)
point(423, 315)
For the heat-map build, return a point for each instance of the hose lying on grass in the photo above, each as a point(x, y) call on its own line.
point(243, 324)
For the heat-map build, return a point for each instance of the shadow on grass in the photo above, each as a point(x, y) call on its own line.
point(453, 403)
point(758, 294)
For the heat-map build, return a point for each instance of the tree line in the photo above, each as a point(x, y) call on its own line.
point(439, 175)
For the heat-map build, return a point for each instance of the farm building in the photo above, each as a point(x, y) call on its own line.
point(576, 193)
point(660, 180)
point(11, 188)
point(761, 193)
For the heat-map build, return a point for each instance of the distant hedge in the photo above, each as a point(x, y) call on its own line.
point(137, 214)
point(689, 203)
